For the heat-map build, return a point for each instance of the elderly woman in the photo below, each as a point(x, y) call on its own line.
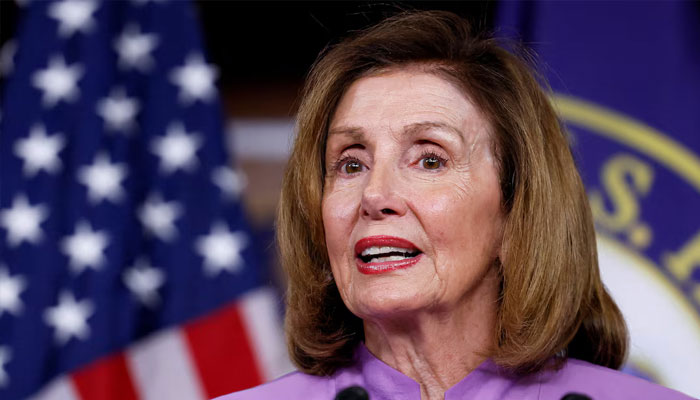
point(436, 232)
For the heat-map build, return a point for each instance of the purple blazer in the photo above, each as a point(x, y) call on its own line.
point(487, 382)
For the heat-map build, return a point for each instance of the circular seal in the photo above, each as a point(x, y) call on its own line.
point(644, 191)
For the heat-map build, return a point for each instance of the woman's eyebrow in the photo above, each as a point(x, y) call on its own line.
point(354, 132)
point(419, 127)
point(358, 134)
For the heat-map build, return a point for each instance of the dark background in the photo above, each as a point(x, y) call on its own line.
point(267, 46)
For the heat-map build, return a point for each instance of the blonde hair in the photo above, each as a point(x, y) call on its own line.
point(553, 303)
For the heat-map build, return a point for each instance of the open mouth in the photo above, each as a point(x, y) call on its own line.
point(378, 254)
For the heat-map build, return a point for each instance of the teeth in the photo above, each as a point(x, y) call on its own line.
point(390, 258)
point(370, 251)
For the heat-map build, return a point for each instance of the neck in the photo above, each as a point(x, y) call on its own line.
point(439, 348)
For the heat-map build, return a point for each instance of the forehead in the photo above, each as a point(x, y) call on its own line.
point(398, 98)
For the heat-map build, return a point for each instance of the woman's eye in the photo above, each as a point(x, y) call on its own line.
point(431, 162)
point(352, 167)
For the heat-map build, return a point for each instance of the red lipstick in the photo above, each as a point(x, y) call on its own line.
point(385, 266)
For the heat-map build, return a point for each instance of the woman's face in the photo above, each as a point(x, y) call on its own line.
point(412, 203)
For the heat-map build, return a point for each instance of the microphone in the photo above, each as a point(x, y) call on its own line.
point(352, 393)
point(358, 393)
point(575, 396)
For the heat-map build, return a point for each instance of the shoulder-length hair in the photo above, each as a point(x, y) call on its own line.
point(552, 301)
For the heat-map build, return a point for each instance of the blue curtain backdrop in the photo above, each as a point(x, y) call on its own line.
point(626, 80)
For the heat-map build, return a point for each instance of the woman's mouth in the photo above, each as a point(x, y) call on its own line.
point(378, 254)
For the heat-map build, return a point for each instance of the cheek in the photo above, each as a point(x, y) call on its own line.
point(339, 216)
point(339, 213)
point(441, 211)
point(462, 222)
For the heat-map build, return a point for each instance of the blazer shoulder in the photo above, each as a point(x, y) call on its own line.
point(601, 383)
point(293, 386)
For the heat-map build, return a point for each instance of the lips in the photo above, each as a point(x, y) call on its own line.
point(379, 254)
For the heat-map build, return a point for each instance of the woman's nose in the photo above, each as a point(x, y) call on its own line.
point(380, 197)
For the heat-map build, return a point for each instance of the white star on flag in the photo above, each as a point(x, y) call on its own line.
point(221, 249)
point(4, 359)
point(10, 289)
point(144, 281)
point(73, 16)
point(22, 221)
point(230, 181)
point(118, 111)
point(195, 79)
point(103, 179)
point(69, 318)
point(58, 81)
point(85, 247)
point(40, 151)
point(177, 149)
point(158, 217)
point(134, 48)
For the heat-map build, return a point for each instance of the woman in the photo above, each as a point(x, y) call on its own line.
point(436, 232)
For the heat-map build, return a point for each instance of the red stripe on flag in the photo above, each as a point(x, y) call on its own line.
point(223, 353)
point(105, 379)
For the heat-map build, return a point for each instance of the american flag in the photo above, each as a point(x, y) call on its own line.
point(127, 270)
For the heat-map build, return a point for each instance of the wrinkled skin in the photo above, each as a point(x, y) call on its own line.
point(409, 155)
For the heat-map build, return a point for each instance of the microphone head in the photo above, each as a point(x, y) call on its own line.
point(575, 396)
point(352, 393)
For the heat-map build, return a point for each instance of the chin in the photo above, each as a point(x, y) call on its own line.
point(386, 301)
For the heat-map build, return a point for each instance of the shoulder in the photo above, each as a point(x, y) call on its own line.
point(295, 385)
point(601, 383)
